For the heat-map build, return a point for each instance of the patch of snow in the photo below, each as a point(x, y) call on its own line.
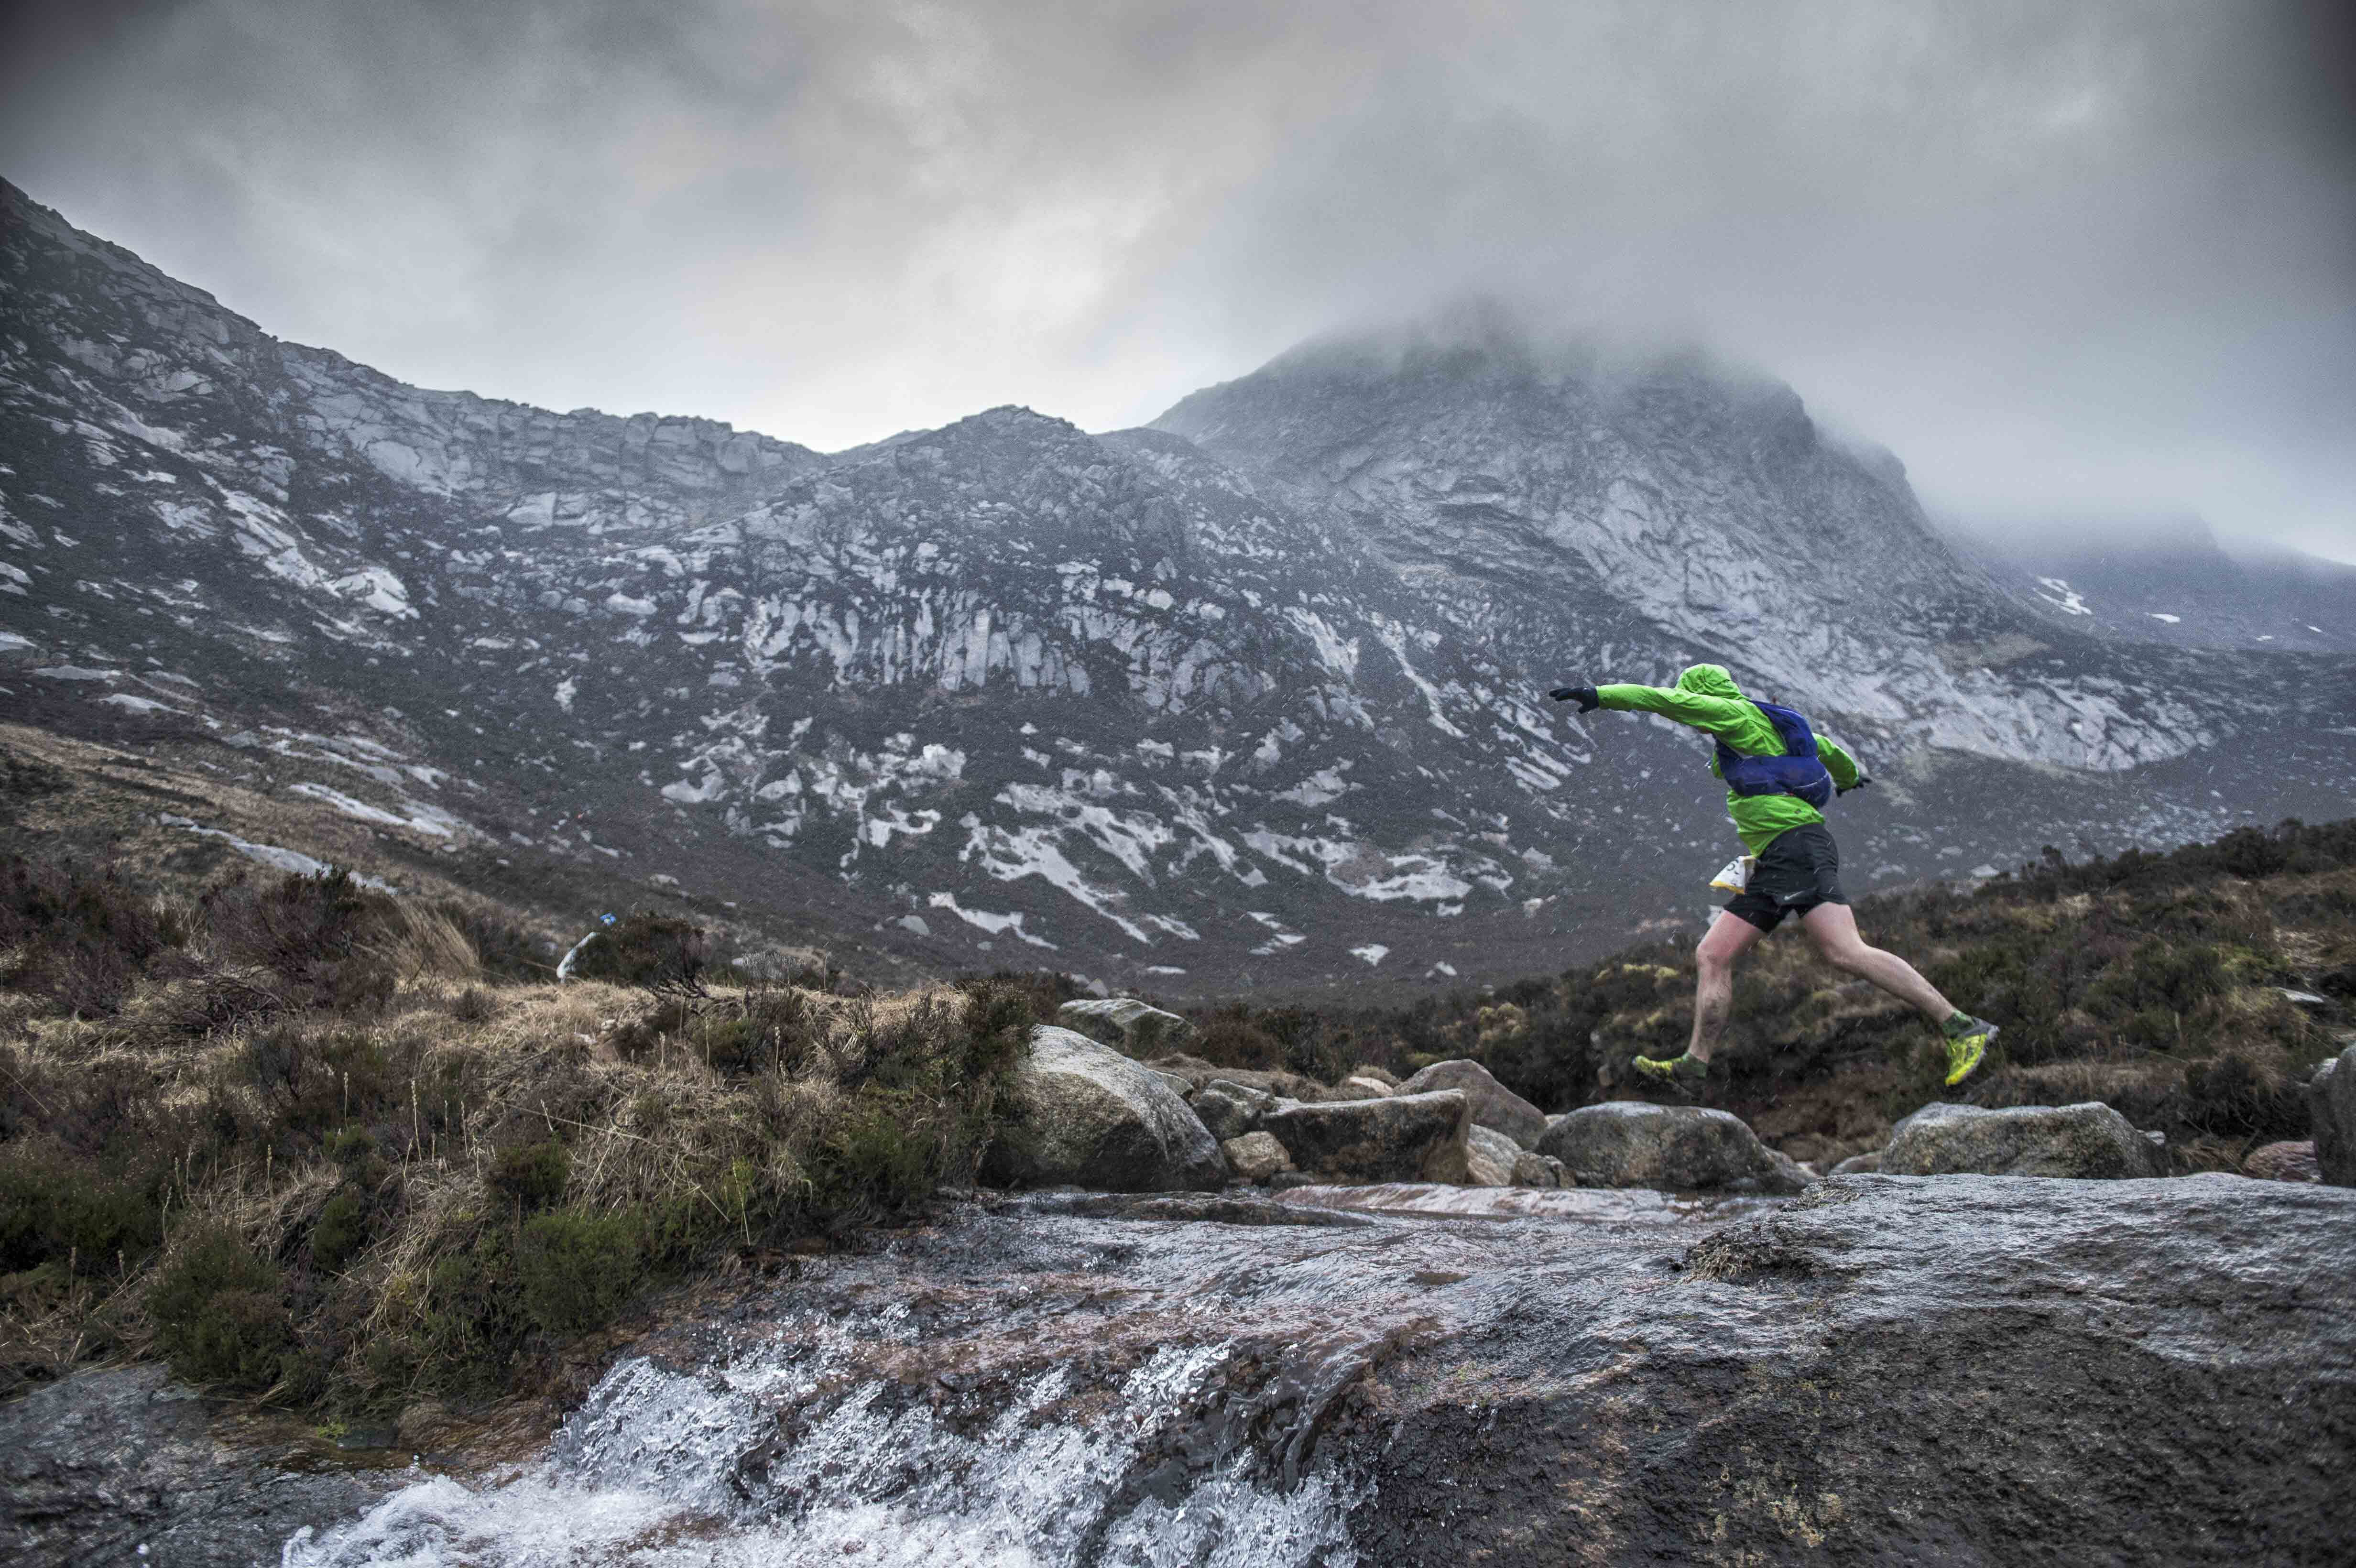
point(138, 704)
point(273, 856)
point(2069, 601)
point(75, 672)
point(986, 919)
point(2171, 620)
point(1373, 952)
point(565, 692)
point(10, 642)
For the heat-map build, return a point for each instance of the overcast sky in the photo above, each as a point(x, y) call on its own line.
point(2091, 258)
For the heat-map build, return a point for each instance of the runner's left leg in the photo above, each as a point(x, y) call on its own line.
point(1833, 928)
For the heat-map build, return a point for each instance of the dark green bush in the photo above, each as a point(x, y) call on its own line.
point(575, 1271)
point(339, 1233)
point(531, 1176)
point(221, 1313)
point(51, 1211)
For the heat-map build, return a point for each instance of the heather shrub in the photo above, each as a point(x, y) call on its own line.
point(221, 1313)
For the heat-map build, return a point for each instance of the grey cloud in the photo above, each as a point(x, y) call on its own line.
point(2098, 257)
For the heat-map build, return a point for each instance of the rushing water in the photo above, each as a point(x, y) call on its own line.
point(1080, 1382)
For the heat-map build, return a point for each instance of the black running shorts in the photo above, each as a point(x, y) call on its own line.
point(1800, 870)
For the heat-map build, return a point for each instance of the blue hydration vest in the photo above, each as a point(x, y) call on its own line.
point(1799, 771)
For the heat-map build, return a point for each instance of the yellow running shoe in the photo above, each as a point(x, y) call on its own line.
point(1965, 1047)
point(1680, 1074)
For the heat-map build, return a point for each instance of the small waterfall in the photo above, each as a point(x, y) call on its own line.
point(1056, 1381)
point(802, 1456)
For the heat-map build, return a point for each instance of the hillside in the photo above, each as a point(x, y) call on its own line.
point(1249, 701)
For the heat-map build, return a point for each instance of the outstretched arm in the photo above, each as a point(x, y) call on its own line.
point(1711, 715)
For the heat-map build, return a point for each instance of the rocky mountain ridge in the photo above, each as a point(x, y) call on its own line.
point(1248, 699)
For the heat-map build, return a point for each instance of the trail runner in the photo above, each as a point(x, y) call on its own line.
point(1777, 771)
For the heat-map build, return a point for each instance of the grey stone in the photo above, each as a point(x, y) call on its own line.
point(2331, 1102)
point(1230, 1110)
point(1125, 1021)
point(1088, 1116)
point(1483, 1156)
point(1673, 1148)
point(2088, 1140)
point(2285, 1161)
point(1539, 1170)
point(123, 1466)
point(1256, 1157)
point(1390, 1139)
point(1494, 1105)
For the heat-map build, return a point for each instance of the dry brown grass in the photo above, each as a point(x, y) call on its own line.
point(356, 1170)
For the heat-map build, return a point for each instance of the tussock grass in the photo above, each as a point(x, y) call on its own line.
point(291, 1135)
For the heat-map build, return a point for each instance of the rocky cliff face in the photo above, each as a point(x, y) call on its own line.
point(1248, 699)
point(1535, 484)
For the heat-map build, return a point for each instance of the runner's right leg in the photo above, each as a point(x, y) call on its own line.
point(1731, 936)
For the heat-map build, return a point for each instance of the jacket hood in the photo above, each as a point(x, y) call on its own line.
point(1708, 680)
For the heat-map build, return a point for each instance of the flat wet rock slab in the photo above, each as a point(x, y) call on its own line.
point(120, 1467)
point(1961, 1370)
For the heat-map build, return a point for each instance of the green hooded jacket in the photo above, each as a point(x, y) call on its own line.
point(1707, 697)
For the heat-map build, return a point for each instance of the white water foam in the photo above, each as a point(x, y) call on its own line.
point(661, 1467)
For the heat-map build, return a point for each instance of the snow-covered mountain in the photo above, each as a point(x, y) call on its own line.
point(1248, 699)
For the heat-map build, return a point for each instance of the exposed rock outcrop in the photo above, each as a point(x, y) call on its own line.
point(1125, 1021)
point(2087, 1140)
point(1089, 1116)
point(2332, 1099)
point(1494, 1105)
point(1673, 1149)
point(1393, 1139)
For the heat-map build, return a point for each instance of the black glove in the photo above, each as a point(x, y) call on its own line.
point(1583, 695)
point(1861, 782)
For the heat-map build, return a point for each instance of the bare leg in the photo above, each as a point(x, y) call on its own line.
point(1833, 928)
point(1731, 936)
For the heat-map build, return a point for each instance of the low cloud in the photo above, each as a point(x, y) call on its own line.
point(2098, 257)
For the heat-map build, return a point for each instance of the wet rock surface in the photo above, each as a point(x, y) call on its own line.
point(1091, 1117)
point(1967, 1369)
point(2092, 1140)
point(121, 1467)
point(1634, 1143)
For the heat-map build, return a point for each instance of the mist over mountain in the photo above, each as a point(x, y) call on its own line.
point(1251, 698)
point(2167, 579)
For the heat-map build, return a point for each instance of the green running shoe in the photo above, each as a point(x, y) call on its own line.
point(1680, 1074)
point(1965, 1048)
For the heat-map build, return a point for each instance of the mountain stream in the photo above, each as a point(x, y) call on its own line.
point(1057, 1380)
